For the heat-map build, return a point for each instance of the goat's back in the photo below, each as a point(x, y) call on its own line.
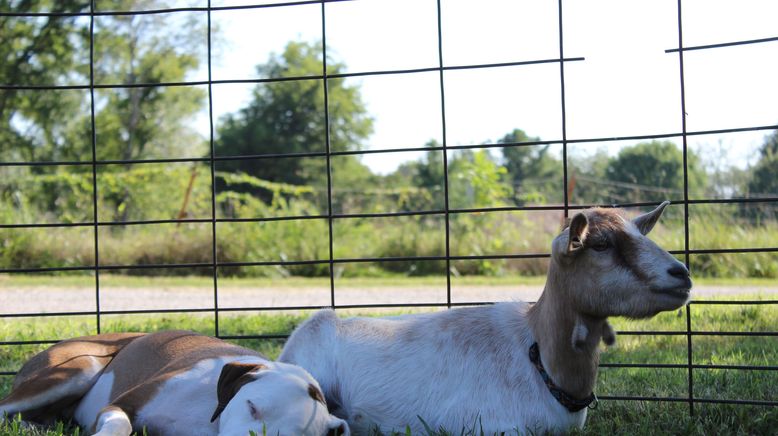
point(456, 368)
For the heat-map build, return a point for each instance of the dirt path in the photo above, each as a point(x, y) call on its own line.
point(37, 299)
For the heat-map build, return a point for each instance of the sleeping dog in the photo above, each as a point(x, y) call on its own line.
point(170, 383)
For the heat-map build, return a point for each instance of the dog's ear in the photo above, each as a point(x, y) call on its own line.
point(233, 376)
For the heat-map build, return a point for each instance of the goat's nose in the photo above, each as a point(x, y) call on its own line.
point(679, 271)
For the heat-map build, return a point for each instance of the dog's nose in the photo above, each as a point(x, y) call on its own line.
point(679, 272)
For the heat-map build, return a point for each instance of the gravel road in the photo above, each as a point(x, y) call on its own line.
point(36, 299)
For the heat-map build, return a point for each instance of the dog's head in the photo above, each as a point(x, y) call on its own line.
point(275, 399)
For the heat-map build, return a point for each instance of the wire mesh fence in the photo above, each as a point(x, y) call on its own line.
point(333, 214)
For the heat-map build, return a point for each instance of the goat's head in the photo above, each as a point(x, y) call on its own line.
point(611, 268)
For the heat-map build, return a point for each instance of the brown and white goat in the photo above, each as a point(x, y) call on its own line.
point(505, 367)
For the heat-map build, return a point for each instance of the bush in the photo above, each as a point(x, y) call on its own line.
point(150, 193)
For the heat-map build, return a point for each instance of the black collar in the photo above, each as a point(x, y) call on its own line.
point(563, 397)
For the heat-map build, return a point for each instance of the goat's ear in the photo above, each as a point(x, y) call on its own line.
point(608, 334)
point(579, 226)
point(580, 332)
point(646, 222)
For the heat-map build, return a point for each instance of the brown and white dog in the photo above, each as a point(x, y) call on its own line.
point(170, 383)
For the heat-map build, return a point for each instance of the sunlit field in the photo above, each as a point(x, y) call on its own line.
point(611, 417)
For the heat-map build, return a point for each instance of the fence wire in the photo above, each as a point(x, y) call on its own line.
point(330, 217)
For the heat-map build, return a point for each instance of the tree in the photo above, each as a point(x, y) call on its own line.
point(421, 179)
point(147, 122)
point(533, 172)
point(131, 122)
point(288, 117)
point(586, 176)
point(764, 175)
point(428, 171)
point(652, 171)
point(476, 180)
point(770, 147)
point(38, 52)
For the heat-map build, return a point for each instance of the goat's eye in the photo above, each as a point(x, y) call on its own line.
point(600, 246)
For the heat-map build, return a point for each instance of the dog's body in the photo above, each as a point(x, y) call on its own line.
point(168, 383)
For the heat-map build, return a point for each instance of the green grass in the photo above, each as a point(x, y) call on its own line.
point(611, 417)
point(16, 427)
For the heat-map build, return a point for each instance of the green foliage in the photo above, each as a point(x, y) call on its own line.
point(143, 192)
point(132, 122)
point(422, 179)
point(390, 238)
point(655, 164)
point(38, 51)
point(587, 174)
point(428, 173)
point(153, 192)
point(536, 176)
point(764, 175)
point(146, 122)
point(476, 180)
point(502, 233)
point(770, 147)
point(288, 117)
point(712, 231)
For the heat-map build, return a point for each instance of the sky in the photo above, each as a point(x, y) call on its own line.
point(627, 85)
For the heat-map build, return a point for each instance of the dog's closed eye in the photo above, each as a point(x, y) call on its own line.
point(254, 411)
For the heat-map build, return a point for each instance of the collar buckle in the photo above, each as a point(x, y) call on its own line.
point(595, 402)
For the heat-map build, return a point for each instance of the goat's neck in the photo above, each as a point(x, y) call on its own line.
point(552, 320)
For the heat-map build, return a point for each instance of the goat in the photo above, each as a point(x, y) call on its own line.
point(505, 367)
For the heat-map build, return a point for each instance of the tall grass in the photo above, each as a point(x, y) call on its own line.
point(483, 234)
point(160, 192)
